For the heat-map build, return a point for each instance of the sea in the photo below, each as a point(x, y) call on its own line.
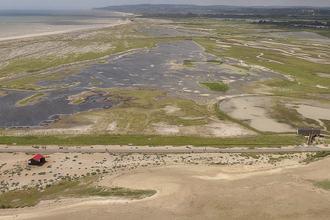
point(20, 24)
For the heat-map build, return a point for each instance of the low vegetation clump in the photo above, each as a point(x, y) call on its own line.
point(215, 61)
point(26, 101)
point(77, 188)
point(78, 101)
point(318, 155)
point(253, 155)
point(325, 184)
point(188, 63)
point(216, 86)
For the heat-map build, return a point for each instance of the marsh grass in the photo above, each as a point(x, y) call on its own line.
point(216, 86)
point(188, 63)
point(78, 101)
point(26, 101)
point(28, 83)
point(140, 108)
point(303, 72)
point(289, 116)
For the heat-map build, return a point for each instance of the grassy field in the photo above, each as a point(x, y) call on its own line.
point(216, 86)
point(155, 140)
point(82, 187)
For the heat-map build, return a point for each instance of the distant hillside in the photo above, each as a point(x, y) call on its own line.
point(162, 8)
point(223, 11)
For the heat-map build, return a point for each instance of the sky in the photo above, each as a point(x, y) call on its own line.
point(88, 4)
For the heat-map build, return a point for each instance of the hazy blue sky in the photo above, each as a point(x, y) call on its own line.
point(88, 4)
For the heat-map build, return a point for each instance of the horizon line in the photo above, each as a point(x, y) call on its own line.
point(98, 7)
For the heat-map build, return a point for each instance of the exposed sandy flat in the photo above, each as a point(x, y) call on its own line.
point(187, 191)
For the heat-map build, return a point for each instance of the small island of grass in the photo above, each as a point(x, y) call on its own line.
point(216, 86)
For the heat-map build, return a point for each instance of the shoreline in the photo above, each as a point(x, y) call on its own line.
point(61, 32)
point(120, 21)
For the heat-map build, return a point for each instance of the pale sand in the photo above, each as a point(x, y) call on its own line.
point(186, 191)
point(120, 22)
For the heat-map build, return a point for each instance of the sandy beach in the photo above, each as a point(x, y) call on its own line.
point(20, 29)
point(257, 188)
point(63, 31)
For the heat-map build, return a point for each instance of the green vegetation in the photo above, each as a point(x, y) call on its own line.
point(303, 72)
point(188, 63)
point(253, 155)
point(78, 101)
point(215, 61)
point(241, 67)
point(216, 86)
point(146, 108)
point(28, 100)
point(154, 140)
point(318, 155)
point(140, 108)
point(82, 187)
point(326, 123)
point(96, 83)
point(325, 184)
point(28, 83)
point(289, 116)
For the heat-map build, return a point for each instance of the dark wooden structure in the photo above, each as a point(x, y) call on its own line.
point(38, 160)
point(310, 132)
point(307, 131)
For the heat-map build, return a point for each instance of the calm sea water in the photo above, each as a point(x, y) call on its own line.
point(21, 23)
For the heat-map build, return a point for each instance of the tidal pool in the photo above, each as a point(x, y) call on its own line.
point(252, 110)
point(313, 112)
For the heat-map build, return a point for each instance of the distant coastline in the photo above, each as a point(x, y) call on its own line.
point(28, 24)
